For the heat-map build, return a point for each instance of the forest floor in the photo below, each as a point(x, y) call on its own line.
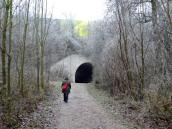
point(81, 112)
point(135, 114)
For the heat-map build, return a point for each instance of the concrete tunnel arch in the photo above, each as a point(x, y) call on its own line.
point(84, 73)
point(77, 68)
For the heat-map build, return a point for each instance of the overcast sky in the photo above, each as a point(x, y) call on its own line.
point(78, 9)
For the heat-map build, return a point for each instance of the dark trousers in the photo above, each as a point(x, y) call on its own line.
point(66, 94)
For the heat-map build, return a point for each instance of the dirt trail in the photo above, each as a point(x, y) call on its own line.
point(83, 112)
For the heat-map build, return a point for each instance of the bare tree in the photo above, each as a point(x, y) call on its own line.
point(10, 45)
point(24, 47)
point(4, 37)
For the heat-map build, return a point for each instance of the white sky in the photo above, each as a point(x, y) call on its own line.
point(78, 9)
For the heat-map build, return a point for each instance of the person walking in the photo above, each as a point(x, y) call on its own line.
point(66, 87)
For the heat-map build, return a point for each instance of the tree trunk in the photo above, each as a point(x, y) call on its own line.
point(9, 51)
point(156, 37)
point(4, 36)
point(23, 49)
point(37, 13)
point(42, 66)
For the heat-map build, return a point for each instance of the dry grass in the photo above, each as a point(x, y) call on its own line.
point(154, 113)
point(14, 108)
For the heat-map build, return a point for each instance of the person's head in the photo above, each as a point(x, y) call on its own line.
point(66, 79)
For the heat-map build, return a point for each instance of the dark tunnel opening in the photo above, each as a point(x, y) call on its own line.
point(84, 73)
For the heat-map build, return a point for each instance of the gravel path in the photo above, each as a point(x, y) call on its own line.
point(83, 112)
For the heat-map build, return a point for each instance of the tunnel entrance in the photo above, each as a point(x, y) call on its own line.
point(84, 73)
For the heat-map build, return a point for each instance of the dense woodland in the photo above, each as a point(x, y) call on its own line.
point(132, 43)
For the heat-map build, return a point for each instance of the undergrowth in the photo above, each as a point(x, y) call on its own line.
point(142, 115)
point(15, 107)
